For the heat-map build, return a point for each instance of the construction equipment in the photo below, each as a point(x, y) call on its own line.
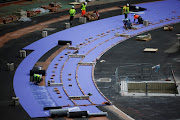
point(37, 78)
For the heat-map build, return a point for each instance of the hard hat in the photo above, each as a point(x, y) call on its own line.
point(72, 6)
point(85, 3)
point(127, 4)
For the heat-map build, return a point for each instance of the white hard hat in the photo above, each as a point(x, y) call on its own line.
point(128, 4)
point(72, 6)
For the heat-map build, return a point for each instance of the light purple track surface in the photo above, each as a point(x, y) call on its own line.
point(34, 98)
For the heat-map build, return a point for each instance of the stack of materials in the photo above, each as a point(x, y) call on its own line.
point(144, 37)
point(91, 16)
point(52, 7)
point(169, 28)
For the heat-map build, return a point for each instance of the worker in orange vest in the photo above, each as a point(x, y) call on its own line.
point(139, 18)
point(83, 8)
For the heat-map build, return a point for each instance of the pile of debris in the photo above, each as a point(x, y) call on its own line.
point(52, 7)
point(15, 17)
point(8, 19)
point(91, 16)
point(32, 13)
point(20, 15)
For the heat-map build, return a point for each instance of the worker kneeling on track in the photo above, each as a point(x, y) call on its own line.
point(37, 78)
point(139, 18)
point(96, 14)
point(127, 23)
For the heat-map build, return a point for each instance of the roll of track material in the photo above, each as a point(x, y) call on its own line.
point(58, 112)
point(62, 42)
point(50, 108)
point(77, 114)
point(98, 114)
point(35, 71)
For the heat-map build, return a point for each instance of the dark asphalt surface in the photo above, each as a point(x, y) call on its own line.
point(10, 53)
point(131, 51)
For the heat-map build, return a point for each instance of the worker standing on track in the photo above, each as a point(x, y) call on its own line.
point(139, 18)
point(126, 10)
point(83, 8)
point(72, 12)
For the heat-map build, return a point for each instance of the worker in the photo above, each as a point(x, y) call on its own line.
point(127, 23)
point(96, 14)
point(139, 18)
point(37, 78)
point(72, 12)
point(83, 8)
point(126, 10)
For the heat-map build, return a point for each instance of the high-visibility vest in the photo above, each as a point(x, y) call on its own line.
point(72, 12)
point(136, 16)
point(37, 77)
point(83, 7)
point(125, 9)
